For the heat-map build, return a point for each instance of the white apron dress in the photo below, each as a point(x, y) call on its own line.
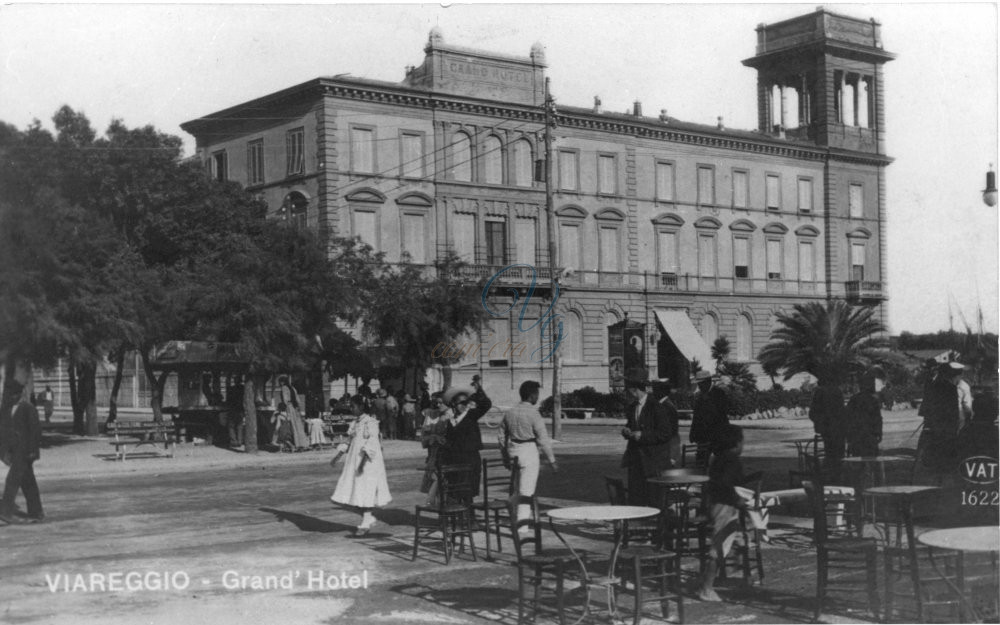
point(369, 489)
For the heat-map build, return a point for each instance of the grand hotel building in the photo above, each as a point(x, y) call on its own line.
point(690, 231)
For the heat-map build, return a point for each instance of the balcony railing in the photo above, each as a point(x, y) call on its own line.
point(863, 291)
point(512, 275)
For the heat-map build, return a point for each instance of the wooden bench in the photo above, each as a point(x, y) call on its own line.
point(135, 433)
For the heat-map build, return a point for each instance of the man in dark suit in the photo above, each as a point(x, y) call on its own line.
point(648, 433)
point(20, 452)
point(462, 438)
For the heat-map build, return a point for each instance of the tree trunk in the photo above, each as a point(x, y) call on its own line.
point(76, 398)
point(155, 386)
point(116, 386)
point(87, 395)
point(250, 416)
point(445, 376)
point(9, 400)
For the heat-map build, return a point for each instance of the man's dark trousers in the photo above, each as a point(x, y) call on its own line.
point(22, 476)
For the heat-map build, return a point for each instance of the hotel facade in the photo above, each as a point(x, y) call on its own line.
point(684, 231)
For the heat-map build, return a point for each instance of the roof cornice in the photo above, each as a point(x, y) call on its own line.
point(678, 132)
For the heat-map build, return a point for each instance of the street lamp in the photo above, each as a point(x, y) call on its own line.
point(990, 192)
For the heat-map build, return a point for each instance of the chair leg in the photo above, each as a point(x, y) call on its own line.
point(416, 535)
point(472, 542)
point(520, 594)
point(889, 586)
point(760, 557)
point(637, 582)
point(559, 595)
point(872, 575)
point(661, 569)
point(486, 528)
point(446, 538)
point(677, 588)
point(538, 592)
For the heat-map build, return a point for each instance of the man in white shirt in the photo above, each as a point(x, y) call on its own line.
point(525, 433)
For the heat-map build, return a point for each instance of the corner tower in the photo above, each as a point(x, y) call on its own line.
point(819, 77)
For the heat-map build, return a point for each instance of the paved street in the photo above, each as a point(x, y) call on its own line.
point(195, 530)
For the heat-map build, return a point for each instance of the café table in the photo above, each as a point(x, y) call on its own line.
point(962, 540)
point(616, 515)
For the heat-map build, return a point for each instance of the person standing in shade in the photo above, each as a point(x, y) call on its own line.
point(392, 414)
point(648, 433)
point(943, 411)
point(827, 414)
point(408, 417)
point(864, 417)
point(525, 434)
point(362, 483)
point(380, 410)
point(48, 402)
point(463, 440)
point(709, 417)
point(20, 453)
point(290, 398)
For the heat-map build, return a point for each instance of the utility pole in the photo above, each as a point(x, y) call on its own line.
point(553, 256)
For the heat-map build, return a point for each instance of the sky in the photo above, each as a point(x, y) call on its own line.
point(164, 64)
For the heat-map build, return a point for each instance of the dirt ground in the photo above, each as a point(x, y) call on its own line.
point(218, 537)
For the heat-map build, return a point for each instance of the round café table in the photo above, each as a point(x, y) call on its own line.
point(977, 539)
point(615, 515)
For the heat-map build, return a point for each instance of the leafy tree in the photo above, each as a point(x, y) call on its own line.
point(829, 341)
point(419, 313)
point(721, 349)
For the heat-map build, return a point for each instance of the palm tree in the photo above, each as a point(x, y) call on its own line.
point(829, 341)
point(721, 349)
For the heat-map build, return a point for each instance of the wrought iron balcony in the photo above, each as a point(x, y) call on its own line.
point(512, 275)
point(863, 291)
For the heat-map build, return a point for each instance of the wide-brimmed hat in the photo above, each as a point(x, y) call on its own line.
point(453, 392)
point(407, 398)
point(701, 376)
point(951, 368)
point(638, 377)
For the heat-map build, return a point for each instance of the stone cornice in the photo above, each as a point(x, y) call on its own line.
point(394, 95)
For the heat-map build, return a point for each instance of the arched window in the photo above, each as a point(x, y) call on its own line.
point(492, 161)
point(461, 157)
point(709, 328)
point(571, 347)
point(294, 210)
point(523, 166)
point(744, 338)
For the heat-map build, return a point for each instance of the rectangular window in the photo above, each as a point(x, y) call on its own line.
point(464, 236)
point(415, 237)
point(807, 266)
point(856, 201)
point(666, 252)
point(858, 261)
point(497, 344)
point(805, 195)
point(220, 166)
point(706, 185)
point(295, 153)
point(365, 226)
point(774, 259)
point(525, 241)
point(255, 162)
point(665, 181)
point(363, 150)
point(568, 168)
point(569, 245)
point(773, 191)
point(741, 188)
point(706, 255)
point(609, 252)
point(496, 243)
point(411, 155)
point(606, 173)
point(741, 257)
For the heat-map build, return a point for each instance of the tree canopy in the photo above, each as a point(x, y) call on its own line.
point(829, 341)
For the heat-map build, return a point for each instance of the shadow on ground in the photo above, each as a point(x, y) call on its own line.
point(308, 523)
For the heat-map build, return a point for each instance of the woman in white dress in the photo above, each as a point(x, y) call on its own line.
point(362, 484)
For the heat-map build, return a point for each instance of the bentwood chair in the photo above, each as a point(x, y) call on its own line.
point(497, 480)
point(848, 555)
point(535, 564)
point(455, 518)
point(750, 539)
